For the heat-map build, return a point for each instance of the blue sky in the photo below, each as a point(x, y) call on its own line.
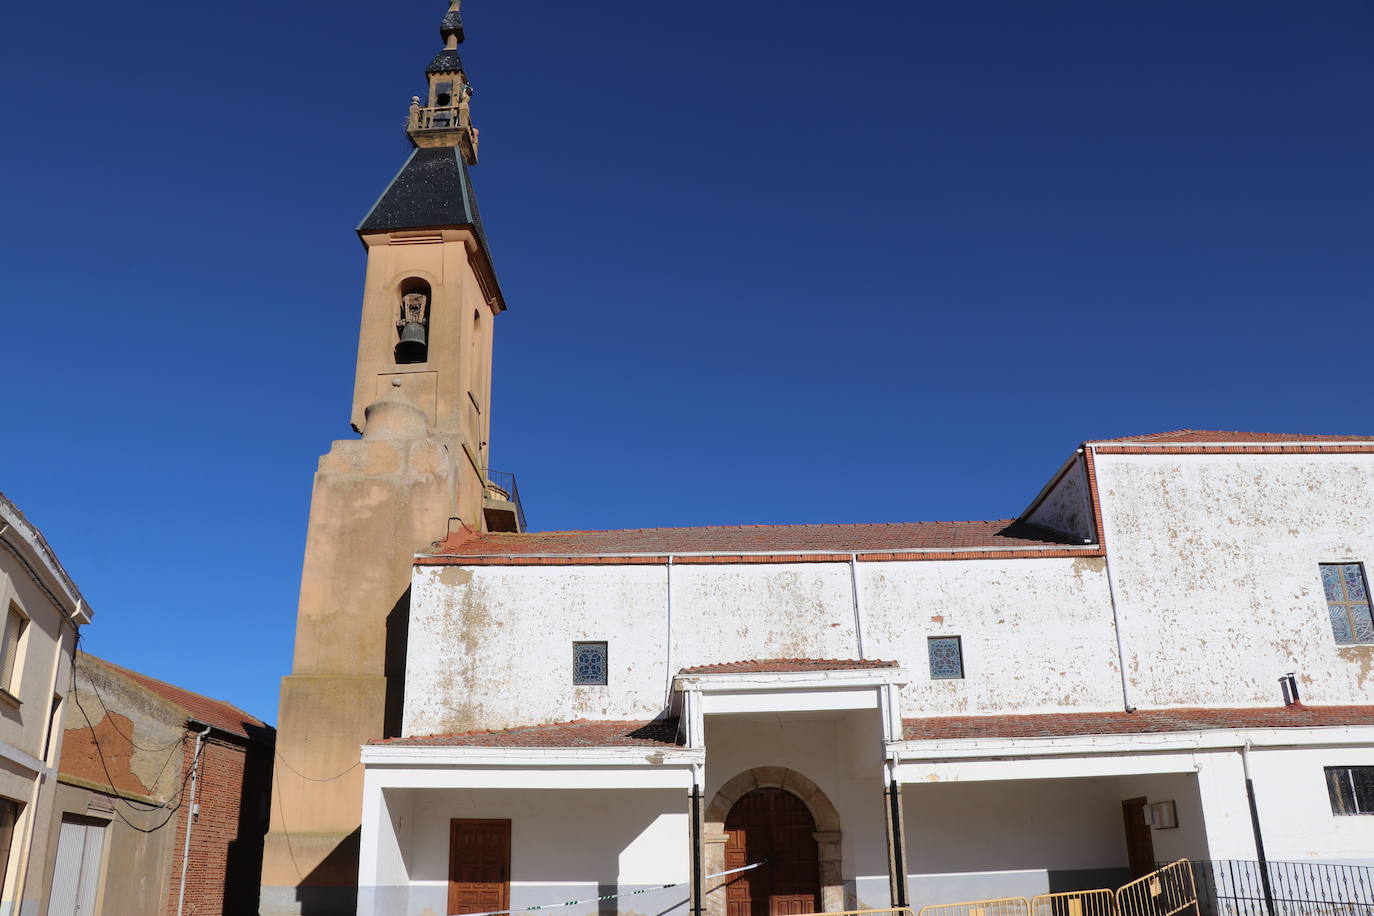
point(766, 261)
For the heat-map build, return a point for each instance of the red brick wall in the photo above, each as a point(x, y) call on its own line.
point(226, 838)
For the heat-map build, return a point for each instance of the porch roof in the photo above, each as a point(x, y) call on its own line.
point(788, 665)
point(1142, 721)
point(579, 733)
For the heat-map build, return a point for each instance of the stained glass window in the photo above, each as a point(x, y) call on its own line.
point(1347, 599)
point(589, 663)
point(946, 657)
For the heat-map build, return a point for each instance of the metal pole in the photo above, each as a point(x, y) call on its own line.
point(1259, 835)
point(190, 819)
point(897, 844)
point(698, 890)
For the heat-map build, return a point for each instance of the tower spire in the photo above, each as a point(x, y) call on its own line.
point(446, 120)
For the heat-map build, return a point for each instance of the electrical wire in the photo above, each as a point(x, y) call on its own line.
point(115, 725)
point(135, 804)
point(312, 778)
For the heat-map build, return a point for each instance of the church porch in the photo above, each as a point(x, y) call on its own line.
point(470, 829)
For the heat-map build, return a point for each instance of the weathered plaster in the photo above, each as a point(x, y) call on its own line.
point(1216, 563)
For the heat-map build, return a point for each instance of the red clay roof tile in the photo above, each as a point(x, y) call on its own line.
point(1205, 436)
point(579, 733)
point(1142, 721)
point(786, 665)
point(1001, 534)
point(218, 713)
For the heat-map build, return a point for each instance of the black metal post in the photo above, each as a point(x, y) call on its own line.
point(897, 838)
point(698, 876)
point(1259, 847)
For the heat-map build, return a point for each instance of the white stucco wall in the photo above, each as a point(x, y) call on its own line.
point(491, 646)
point(1295, 809)
point(976, 840)
point(1067, 505)
point(565, 845)
point(1215, 560)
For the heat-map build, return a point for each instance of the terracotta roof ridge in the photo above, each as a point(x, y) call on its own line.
point(802, 663)
point(1141, 713)
point(139, 676)
point(1222, 433)
point(749, 527)
point(516, 729)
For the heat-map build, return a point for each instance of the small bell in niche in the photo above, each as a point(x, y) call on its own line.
point(414, 343)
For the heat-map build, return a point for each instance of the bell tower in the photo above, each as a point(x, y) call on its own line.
point(421, 404)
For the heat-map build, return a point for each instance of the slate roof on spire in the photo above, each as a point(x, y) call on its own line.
point(452, 25)
point(432, 191)
point(446, 61)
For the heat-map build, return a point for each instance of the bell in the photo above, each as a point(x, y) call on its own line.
point(414, 343)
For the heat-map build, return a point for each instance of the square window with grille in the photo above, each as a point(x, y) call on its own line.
point(1347, 599)
point(946, 658)
point(590, 665)
point(1351, 789)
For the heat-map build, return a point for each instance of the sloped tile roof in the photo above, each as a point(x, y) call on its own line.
point(788, 665)
point(1142, 721)
point(579, 733)
point(1205, 436)
point(1005, 534)
point(218, 713)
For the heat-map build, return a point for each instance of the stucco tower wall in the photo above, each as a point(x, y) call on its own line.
point(1215, 560)
point(377, 502)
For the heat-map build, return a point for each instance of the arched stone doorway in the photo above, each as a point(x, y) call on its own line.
point(823, 816)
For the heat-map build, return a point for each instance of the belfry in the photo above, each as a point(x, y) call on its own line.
point(418, 473)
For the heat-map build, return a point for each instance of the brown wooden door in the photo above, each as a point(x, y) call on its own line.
point(478, 866)
point(774, 826)
point(1140, 842)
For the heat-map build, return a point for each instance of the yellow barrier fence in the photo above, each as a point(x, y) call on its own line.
point(1169, 891)
point(1075, 903)
point(1002, 906)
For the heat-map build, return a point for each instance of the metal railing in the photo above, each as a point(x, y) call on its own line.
point(1170, 891)
point(445, 118)
point(1075, 903)
point(502, 485)
point(1003, 906)
point(1237, 887)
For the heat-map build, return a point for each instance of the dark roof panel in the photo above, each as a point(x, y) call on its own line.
point(452, 25)
point(446, 61)
point(431, 191)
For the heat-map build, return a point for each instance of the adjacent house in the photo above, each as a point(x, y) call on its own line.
point(1177, 626)
point(43, 611)
point(162, 800)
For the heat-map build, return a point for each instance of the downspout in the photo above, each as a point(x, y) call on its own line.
point(190, 818)
point(858, 603)
point(896, 836)
point(698, 858)
point(1255, 826)
point(668, 663)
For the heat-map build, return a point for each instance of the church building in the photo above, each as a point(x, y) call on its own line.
point(1167, 653)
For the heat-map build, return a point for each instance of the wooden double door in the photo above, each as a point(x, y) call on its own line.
point(772, 826)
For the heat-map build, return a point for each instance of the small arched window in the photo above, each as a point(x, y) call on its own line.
point(412, 322)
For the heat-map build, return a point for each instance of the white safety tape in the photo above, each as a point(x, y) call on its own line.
point(661, 887)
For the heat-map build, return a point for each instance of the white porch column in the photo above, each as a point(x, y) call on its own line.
point(1225, 805)
point(383, 881)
